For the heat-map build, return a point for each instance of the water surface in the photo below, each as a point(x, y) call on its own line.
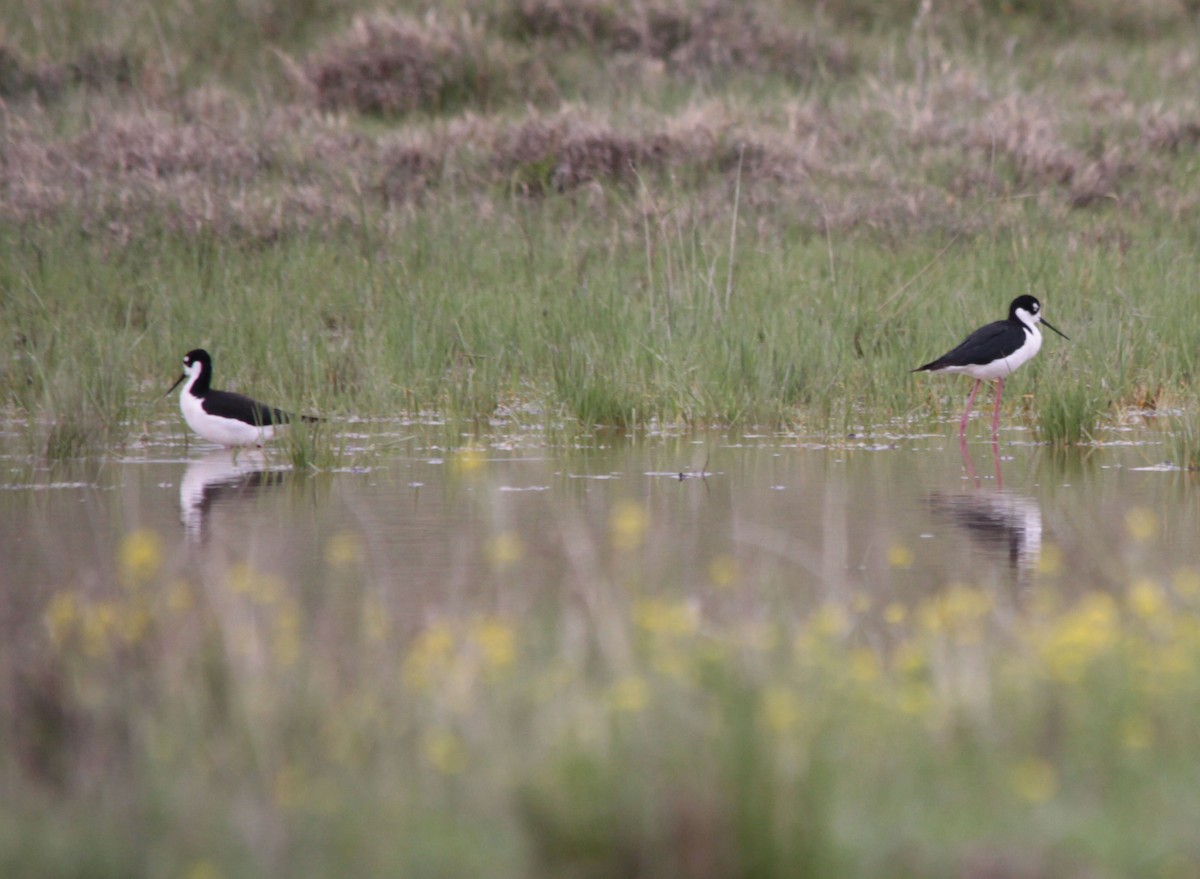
point(732, 519)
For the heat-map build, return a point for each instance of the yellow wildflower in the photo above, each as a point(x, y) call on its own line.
point(1146, 599)
point(1081, 636)
point(899, 555)
point(497, 642)
point(469, 460)
point(140, 556)
point(505, 549)
point(627, 524)
point(1141, 523)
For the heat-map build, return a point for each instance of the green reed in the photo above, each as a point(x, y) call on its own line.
point(501, 320)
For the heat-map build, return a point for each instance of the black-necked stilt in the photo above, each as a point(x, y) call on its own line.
point(994, 351)
point(224, 417)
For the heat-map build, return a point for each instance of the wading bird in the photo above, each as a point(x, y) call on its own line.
point(224, 417)
point(992, 352)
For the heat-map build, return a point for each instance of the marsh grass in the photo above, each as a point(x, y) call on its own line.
point(318, 446)
point(1068, 412)
point(664, 324)
point(1182, 440)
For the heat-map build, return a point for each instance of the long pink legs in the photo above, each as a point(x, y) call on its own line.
point(962, 425)
point(996, 411)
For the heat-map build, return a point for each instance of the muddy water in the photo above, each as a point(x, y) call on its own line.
point(509, 524)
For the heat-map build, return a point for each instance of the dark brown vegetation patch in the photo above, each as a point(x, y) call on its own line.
point(46, 81)
point(562, 154)
point(692, 38)
point(160, 147)
point(395, 64)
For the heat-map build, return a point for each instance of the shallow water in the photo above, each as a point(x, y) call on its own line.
point(744, 520)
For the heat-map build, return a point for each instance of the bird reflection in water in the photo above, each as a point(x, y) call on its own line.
point(970, 464)
point(220, 478)
point(1000, 523)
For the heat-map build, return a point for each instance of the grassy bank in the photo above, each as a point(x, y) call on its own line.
point(606, 214)
point(555, 319)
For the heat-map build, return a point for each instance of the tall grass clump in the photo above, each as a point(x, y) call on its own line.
point(84, 401)
point(1183, 440)
point(1068, 413)
point(313, 446)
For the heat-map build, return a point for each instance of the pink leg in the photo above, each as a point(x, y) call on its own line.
point(996, 411)
point(962, 427)
point(967, 462)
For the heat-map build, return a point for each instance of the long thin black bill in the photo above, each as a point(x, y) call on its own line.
point(182, 377)
point(1044, 321)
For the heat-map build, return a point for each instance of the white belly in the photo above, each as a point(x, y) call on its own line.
point(224, 431)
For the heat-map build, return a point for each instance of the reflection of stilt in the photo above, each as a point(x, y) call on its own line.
point(1000, 522)
point(970, 464)
point(966, 455)
point(218, 477)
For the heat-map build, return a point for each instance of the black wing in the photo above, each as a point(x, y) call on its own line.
point(986, 344)
point(227, 404)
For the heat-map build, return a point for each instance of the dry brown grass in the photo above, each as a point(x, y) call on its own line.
point(48, 80)
point(932, 141)
point(397, 64)
point(218, 165)
point(691, 38)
